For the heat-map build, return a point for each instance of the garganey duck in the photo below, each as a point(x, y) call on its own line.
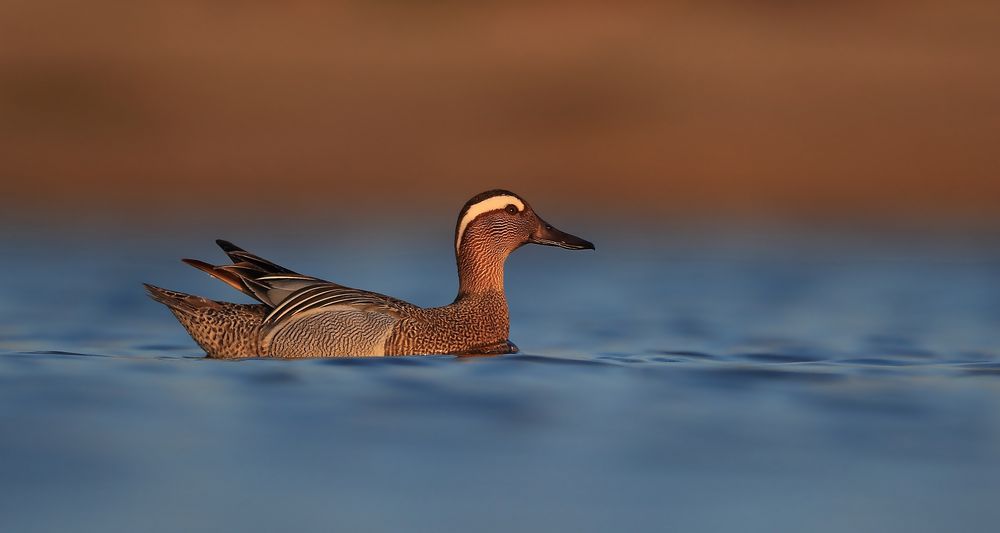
point(303, 316)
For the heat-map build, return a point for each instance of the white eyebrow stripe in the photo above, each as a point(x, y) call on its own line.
point(489, 204)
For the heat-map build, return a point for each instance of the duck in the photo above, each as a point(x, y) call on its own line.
point(299, 316)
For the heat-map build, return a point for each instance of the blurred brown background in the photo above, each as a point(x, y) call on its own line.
point(884, 111)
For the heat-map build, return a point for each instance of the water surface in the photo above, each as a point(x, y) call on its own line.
point(668, 382)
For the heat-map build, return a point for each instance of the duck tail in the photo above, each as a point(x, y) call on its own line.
point(179, 302)
point(223, 330)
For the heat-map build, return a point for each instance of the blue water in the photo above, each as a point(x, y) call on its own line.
point(700, 381)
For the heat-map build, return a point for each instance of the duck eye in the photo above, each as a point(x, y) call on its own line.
point(512, 209)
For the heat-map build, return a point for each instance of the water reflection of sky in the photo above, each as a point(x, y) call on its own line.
point(685, 383)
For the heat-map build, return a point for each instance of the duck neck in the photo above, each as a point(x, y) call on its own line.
point(480, 269)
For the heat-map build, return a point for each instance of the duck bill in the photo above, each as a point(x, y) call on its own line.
point(550, 236)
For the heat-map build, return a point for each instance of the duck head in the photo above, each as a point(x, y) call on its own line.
point(499, 222)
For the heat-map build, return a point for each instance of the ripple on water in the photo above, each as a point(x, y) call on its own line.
point(777, 358)
point(61, 352)
point(879, 361)
point(163, 347)
point(980, 369)
point(622, 358)
point(673, 355)
point(546, 360)
point(741, 375)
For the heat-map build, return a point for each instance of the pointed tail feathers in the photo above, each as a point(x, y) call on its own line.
point(239, 255)
point(226, 329)
point(220, 273)
point(178, 301)
point(223, 330)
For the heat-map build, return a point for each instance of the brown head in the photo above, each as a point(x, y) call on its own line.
point(492, 225)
